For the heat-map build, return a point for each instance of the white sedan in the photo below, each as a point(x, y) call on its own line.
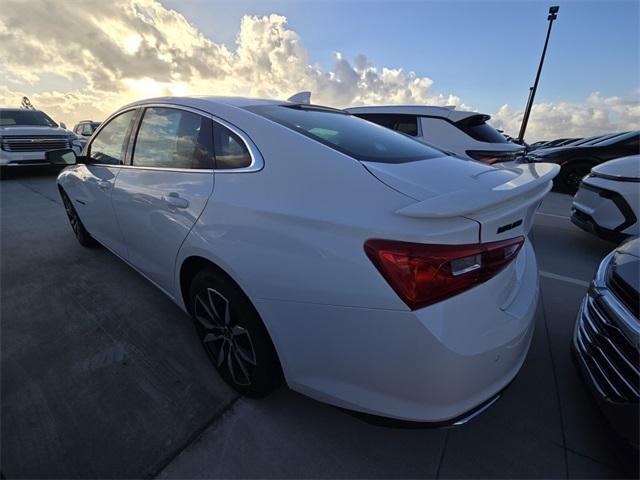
point(363, 267)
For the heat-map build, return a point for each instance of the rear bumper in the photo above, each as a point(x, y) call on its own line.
point(438, 364)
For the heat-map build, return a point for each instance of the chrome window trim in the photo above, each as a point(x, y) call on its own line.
point(257, 162)
point(163, 169)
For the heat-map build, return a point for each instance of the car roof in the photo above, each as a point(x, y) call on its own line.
point(423, 110)
point(208, 101)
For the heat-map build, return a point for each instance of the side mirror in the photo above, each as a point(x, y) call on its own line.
point(61, 157)
point(62, 124)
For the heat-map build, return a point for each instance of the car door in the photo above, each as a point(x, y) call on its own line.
point(161, 194)
point(92, 195)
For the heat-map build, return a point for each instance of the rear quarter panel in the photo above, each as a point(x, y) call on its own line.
point(295, 230)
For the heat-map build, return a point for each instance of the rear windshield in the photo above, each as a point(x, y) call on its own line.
point(25, 117)
point(348, 134)
point(477, 128)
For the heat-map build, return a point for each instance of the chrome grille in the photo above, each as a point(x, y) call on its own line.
point(612, 360)
point(626, 294)
point(34, 144)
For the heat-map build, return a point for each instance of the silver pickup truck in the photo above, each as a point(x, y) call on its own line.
point(25, 136)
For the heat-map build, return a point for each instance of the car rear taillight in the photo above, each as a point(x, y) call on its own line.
point(493, 157)
point(424, 274)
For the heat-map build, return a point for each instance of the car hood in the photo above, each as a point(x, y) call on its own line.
point(32, 130)
point(620, 168)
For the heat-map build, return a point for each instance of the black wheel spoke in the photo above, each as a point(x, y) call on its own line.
point(235, 364)
point(208, 320)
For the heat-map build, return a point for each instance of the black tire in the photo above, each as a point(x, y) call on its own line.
point(233, 335)
point(84, 238)
point(570, 176)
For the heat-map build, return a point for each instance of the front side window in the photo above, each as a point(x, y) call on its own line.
point(230, 150)
point(86, 129)
point(109, 145)
point(172, 138)
point(403, 123)
point(348, 134)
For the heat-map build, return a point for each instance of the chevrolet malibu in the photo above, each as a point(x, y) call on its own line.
point(362, 267)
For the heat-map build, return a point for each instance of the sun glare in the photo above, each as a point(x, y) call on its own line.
point(132, 44)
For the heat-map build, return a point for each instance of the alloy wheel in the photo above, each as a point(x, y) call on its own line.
point(71, 213)
point(228, 343)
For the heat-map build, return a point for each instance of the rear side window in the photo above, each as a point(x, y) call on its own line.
point(108, 146)
point(230, 150)
point(477, 128)
point(407, 124)
point(348, 134)
point(172, 138)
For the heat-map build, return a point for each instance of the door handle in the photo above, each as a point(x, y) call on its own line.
point(175, 201)
point(104, 185)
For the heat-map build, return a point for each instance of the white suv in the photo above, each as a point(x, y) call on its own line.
point(464, 134)
point(25, 136)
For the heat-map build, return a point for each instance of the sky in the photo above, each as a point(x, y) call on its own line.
point(80, 60)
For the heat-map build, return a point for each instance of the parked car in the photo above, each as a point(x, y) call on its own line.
point(25, 136)
point(606, 339)
point(592, 140)
point(607, 203)
point(578, 160)
point(464, 134)
point(536, 145)
point(84, 129)
point(368, 269)
point(550, 143)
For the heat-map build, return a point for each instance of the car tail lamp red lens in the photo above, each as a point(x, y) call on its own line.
point(424, 274)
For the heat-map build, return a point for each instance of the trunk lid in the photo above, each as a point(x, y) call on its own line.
point(502, 200)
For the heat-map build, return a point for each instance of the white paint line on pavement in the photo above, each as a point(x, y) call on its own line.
point(562, 278)
point(552, 215)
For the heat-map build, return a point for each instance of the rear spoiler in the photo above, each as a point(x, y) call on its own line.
point(534, 180)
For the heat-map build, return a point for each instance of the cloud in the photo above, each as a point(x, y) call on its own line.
point(126, 50)
point(562, 119)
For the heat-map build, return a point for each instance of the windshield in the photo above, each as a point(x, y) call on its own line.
point(348, 134)
point(25, 117)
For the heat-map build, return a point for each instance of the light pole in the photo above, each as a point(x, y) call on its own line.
point(553, 14)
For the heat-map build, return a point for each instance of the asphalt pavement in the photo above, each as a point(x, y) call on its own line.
point(102, 376)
